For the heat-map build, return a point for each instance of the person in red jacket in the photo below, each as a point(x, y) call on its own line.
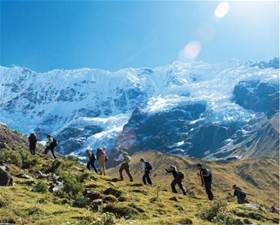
point(101, 156)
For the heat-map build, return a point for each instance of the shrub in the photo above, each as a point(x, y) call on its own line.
point(27, 160)
point(11, 156)
point(71, 186)
point(40, 187)
point(107, 219)
point(212, 212)
point(224, 218)
point(84, 176)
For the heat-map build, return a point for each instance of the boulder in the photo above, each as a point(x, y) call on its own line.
point(81, 202)
point(109, 198)
point(96, 205)
point(5, 178)
point(92, 195)
point(113, 191)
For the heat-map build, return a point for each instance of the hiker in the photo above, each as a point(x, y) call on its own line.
point(147, 167)
point(178, 178)
point(91, 159)
point(101, 156)
point(206, 180)
point(125, 158)
point(51, 144)
point(240, 195)
point(32, 143)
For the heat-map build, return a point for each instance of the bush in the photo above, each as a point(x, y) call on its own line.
point(40, 187)
point(107, 219)
point(27, 160)
point(18, 157)
point(84, 176)
point(71, 186)
point(11, 156)
point(212, 212)
point(224, 218)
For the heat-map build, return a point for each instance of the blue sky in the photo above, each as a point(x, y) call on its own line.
point(44, 35)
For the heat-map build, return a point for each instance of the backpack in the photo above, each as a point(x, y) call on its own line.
point(181, 175)
point(100, 152)
point(148, 166)
point(54, 142)
point(92, 157)
point(127, 158)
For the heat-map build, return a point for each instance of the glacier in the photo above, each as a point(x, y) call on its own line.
point(89, 107)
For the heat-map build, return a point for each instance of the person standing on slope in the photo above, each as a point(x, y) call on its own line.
point(240, 195)
point(147, 167)
point(206, 180)
point(32, 139)
point(51, 144)
point(91, 160)
point(178, 178)
point(101, 156)
point(125, 158)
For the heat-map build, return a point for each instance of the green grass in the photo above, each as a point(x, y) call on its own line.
point(136, 204)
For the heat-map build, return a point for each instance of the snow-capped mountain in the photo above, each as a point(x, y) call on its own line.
point(175, 108)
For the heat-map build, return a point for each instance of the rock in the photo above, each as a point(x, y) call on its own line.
point(121, 211)
point(138, 208)
point(54, 166)
point(91, 185)
point(140, 191)
point(28, 182)
point(5, 178)
point(136, 185)
point(238, 222)
point(122, 199)
point(173, 199)
point(113, 191)
point(81, 202)
point(257, 96)
point(3, 145)
point(24, 176)
point(96, 205)
point(109, 198)
point(247, 221)
point(92, 195)
point(7, 221)
point(185, 221)
point(57, 187)
point(41, 175)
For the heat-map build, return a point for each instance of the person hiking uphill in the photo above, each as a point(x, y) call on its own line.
point(125, 158)
point(206, 180)
point(240, 195)
point(146, 166)
point(51, 144)
point(91, 159)
point(178, 178)
point(32, 139)
point(101, 156)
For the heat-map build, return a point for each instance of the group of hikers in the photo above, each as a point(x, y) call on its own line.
point(204, 173)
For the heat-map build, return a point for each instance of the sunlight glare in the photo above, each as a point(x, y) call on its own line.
point(191, 50)
point(222, 9)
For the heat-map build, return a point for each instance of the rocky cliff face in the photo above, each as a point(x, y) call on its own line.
point(187, 108)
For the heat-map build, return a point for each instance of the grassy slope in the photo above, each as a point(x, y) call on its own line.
point(254, 175)
point(27, 207)
point(141, 205)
